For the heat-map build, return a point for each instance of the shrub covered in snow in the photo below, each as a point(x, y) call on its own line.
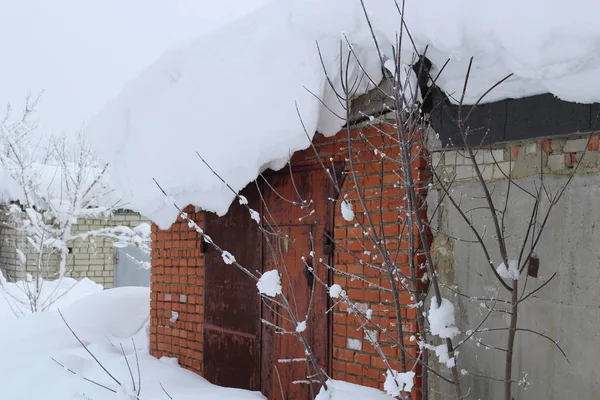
point(49, 188)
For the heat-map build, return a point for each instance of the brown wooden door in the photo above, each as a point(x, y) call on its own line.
point(286, 372)
point(240, 351)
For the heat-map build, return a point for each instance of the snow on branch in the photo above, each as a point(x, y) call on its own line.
point(270, 283)
point(441, 318)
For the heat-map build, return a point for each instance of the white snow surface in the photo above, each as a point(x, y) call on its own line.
point(191, 95)
point(335, 291)
point(53, 294)
point(347, 211)
point(301, 327)
point(234, 100)
point(103, 321)
point(398, 382)
point(270, 283)
point(441, 352)
point(227, 257)
point(441, 318)
point(79, 54)
point(512, 272)
point(340, 390)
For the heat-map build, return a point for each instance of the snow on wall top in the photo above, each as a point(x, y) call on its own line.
point(232, 94)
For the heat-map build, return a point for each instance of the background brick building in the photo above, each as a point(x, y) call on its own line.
point(95, 258)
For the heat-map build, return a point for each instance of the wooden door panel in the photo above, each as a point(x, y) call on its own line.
point(239, 351)
point(298, 198)
point(299, 213)
point(284, 359)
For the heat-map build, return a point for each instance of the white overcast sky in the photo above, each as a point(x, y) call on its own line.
point(80, 53)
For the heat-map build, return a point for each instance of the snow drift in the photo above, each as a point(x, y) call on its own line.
point(33, 345)
point(233, 95)
point(53, 294)
point(340, 390)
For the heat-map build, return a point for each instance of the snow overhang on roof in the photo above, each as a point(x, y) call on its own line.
point(236, 95)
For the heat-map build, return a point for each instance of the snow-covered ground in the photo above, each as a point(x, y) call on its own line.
point(39, 353)
point(32, 344)
point(14, 300)
point(234, 94)
point(340, 390)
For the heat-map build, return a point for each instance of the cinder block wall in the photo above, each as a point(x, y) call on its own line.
point(8, 256)
point(93, 258)
point(177, 281)
point(520, 159)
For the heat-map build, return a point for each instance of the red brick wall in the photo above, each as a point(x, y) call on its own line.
point(177, 286)
point(177, 264)
point(364, 366)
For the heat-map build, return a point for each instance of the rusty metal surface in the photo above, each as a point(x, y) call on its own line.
point(239, 351)
point(231, 360)
point(302, 230)
point(278, 377)
point(232, 307)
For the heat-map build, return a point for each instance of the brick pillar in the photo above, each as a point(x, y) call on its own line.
point(177, 299)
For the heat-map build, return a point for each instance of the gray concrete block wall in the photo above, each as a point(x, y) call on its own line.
point(556, 156)
point(8, 257)
point(566, 309)
point(93, 258)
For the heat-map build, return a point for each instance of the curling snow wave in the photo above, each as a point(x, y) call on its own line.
point(248, 95)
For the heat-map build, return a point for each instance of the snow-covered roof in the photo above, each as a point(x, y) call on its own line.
point(79, 54)
point(233, 94)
